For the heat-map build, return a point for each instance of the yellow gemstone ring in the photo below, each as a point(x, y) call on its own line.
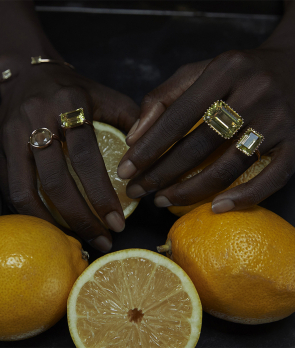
point(74, 119)
point(223, 119)
point(249, 142)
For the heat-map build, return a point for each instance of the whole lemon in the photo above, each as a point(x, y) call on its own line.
point(241, 262)
point(38, 267)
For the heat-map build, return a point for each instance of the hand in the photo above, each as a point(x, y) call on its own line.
point(259, 85)
point(34, 99)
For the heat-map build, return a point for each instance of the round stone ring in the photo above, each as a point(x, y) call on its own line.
point(42, 137)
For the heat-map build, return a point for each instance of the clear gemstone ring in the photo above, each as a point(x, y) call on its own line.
point(5, 75)
point(42, 137)
point(249, 142)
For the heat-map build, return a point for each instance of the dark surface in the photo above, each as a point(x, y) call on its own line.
point(134, 54)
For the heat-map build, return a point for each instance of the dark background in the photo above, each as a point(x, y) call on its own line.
point(134, 53)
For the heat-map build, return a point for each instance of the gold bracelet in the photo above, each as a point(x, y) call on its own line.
point(40, 60)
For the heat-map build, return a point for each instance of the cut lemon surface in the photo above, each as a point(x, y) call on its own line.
point(112, 147)
point(134, 298)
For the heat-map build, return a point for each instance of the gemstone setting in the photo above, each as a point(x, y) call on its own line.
point(41, 137)
point(223, 119)
point(73, 118)
point(249, 142)
point(6, 74)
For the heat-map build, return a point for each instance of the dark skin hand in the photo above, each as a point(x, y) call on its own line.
point(34, 98)
point(259, 85)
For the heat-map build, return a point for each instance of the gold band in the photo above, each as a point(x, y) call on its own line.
point(5, 75)
point(249, 142)
point(257, 152)
point(40, 60)
point(42, 137)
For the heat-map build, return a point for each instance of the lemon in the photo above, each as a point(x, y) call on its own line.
point(241, 262)
point(38, 267)
point(134, 298)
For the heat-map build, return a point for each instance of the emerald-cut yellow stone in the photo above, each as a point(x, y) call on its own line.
point(250, 141)
point(223, 119)
point(73, 118)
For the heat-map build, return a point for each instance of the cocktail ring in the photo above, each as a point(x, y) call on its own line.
point(42, 137)
point(74, 119)
point(223, 119)
point(249, 142)
point(5, 75)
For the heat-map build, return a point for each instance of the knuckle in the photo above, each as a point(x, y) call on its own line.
point(20, 198)
point(32, 105)
point(153, 181)
point(53, 183)
point(180, 197)
point(82, 155)
point(234, 59)
point(225, 174)
point(150, 98)
point(83, 225)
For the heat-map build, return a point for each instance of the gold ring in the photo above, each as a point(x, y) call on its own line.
point(43, 137)
point(223, 119)
point(249, 142)
point(40, 60)
point(74, 119)
point(5, 75)
point(257, 152)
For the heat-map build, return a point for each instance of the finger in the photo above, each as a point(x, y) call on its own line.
point(189, 152)
point(113, 107)
point(271, 179)
point(156, 102)
point(89, 166)
point(213, 179)
point(178, 119)
point(59, 185)
point(23, 183)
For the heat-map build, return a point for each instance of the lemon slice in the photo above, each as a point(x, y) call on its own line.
point(112, 147)
point(134, 298)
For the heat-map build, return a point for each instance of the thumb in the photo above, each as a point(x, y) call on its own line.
point(156, 102)
point(113, 107)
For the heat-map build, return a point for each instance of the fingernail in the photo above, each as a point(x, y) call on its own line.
point(101, 243)
point(115, 221)
point(223, 206)
point(133, 129)
point(162, 202)
point(126, 170)
point(135, 191)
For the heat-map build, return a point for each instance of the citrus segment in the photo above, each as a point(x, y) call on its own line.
point(112, 147)
point(134, 298)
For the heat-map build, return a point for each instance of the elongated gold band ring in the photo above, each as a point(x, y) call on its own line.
point(223, 119)
point(249, 142)
point(40, 60)
point(5, 75)
point(43, 137)
point(74, 119)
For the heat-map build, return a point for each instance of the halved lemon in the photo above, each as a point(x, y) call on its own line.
point(112, 147)
point(134, 298)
